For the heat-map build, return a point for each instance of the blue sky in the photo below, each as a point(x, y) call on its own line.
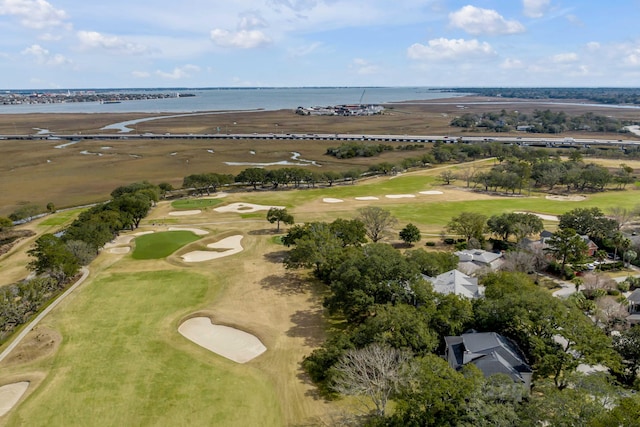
point(208, 43)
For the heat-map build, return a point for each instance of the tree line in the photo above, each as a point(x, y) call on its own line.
point(541, 121)
point(394, 325)
point(56, 258)
point(513, 175)
point(390, 328)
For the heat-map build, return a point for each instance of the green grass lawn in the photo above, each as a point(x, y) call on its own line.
point(187, 204)
point(123, 363)
point(60, 218)
point(160, 245)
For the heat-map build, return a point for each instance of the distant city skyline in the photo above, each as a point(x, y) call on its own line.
point(52, 44)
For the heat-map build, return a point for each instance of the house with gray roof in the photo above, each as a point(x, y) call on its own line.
point(491, 353)
point(456, 282)
point(634, 307)
point(473, 260)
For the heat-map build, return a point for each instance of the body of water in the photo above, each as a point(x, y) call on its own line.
point(238, 99)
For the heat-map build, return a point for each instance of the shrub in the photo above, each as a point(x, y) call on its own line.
point(430, 243)
point(613, 292)
point(449, 241)
point(624, 286)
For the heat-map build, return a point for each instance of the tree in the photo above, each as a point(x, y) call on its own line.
point(627, 344)
point(410, 234)
point(165, 188)
point(26, 211)
point(252, 176)
point(567, 246)
point(589, 221)
point(377, 222)
point(5, 223)
point(519, 224)
point(279, 215)
point(469, 225)
point(51, 208)
point(133, 207)
point(351, 232)
point(315, 245)
point(446, 176)
point(372, 373)
point(437, 395)
point(52, 257)
point(629, 255)
point(432, 263)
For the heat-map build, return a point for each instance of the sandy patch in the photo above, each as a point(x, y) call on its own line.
point(126, 239)
point(431, 192)
point(231, 343)
point(332, 200)
point(543, 216)
point(400, 196)
point(228, 246)
point(365, 198)
point(185, 213)
point(566, 198)
point(196, 231)
point(10, 394)
point(120, 240)
point(245, 208)
point(122, 250)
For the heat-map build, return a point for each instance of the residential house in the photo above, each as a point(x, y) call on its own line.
point(473, 260)
point(456, 282)
point(634, 307)
point(491, 353)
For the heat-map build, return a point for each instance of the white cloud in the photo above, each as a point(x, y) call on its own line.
point(593, 45)
point(475, 20)
point(179, 72)
point(563, 58)
point(251, 21)
point(95, 40)
point(44, 57)
point(242, 39)
point(304, 50)
point(512, 64)
point(449, 49)
point(140, 74)
point(535, 8)
point(364, 67)
point(36, 14)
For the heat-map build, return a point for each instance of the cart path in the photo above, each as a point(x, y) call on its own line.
point(39, 317)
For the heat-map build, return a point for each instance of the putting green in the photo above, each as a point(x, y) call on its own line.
point(161, 245)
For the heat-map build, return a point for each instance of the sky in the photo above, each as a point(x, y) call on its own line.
point(52, 44)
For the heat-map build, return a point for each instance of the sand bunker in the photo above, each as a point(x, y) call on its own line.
point(332, 200)
point(10, 394)
point(231, 343)
point(431, 192)
point(364, 198)
point(196, 231)
point(229, 246)
point(185, 213)
point(566, 198)
point(400, 196)
point(245, 208)
point(121, 250)
point(543, 216)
